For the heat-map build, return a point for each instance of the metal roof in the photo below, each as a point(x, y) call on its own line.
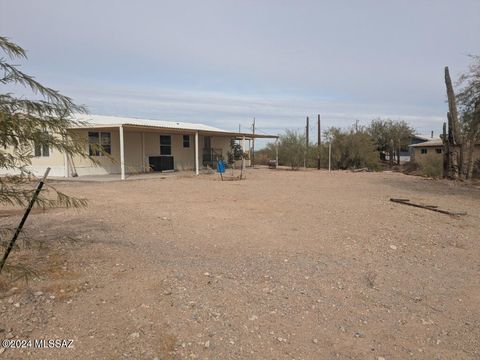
point(117, 120)
point(97, 121)
point(429, 143)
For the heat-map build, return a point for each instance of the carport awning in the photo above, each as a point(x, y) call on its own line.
point(110, 122)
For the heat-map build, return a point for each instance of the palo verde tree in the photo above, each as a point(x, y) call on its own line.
point(28, 123)
point(291, 149)
point(352, 148)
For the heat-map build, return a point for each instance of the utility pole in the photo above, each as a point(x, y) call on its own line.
point(319, 142)
point(307, 133)
point(253, 144)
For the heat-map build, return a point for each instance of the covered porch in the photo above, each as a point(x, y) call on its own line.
point(137, 149)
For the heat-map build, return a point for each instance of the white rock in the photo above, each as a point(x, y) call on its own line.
point(207, 344)
point(315, 341)
point(393, 247)
point(135, 335)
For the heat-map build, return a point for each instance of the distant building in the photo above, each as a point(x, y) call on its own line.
point(433, 150)
point(420, 151)
point(406, 152)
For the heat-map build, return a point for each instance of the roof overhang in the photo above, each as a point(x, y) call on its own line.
point(176, 130)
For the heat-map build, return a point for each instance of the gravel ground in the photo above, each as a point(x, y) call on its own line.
point(284, 265)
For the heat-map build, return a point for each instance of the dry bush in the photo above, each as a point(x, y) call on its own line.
point(431, 166)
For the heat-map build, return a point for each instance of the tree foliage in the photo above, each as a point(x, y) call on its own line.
point(468, 99)
point(384, 132)
point(40, 121)
point(353, 148)
point(291, 149)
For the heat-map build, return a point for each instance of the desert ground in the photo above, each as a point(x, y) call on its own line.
point(284, 265)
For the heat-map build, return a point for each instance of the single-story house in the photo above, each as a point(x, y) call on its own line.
point(131, 145)
point(434, 149)
point(422, 150)
point(406, 152)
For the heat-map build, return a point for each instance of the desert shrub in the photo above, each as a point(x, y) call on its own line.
point(476, 170)
point(291, 149)
point(352, 149)
point(431, 166)
point(411, 167)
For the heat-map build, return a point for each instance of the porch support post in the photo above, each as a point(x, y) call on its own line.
point(122, 154)
point(243, 150)
point(66, 171)
point(144, 168)
point(276, 152)
point(196, 153)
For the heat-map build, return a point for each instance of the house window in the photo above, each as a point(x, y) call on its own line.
point(41, 150)
point(99, 143)
point(165, 145)
point(186, 141)
point(438, 151)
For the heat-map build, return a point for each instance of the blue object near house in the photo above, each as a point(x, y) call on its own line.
point(220, 166)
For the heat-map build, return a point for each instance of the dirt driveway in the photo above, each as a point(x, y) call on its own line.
point(284, 265)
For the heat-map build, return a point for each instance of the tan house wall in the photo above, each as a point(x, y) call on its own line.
point(184, 158)
point(418, 157)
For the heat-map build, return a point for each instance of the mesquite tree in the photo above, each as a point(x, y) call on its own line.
point(38, 122)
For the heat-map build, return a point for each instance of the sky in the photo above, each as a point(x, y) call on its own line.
point(225, 62)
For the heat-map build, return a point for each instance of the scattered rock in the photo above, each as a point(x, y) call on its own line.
point(359, 335)
point(253, 318)
point(38, 293)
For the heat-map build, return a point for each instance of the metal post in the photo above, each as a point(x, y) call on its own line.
point(144, 168)
point(330, 156)
point(276, 153)
point(66, 170)
point(252, 157)
point(122, 154)
point(306, 143)
point(24, 218)
point(319, 142)
point(196, 153)
point(243, 151)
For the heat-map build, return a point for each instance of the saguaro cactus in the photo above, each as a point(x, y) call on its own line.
point(454, 138)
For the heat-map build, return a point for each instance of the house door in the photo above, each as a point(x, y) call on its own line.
point(207, 142)
point(207, 151)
